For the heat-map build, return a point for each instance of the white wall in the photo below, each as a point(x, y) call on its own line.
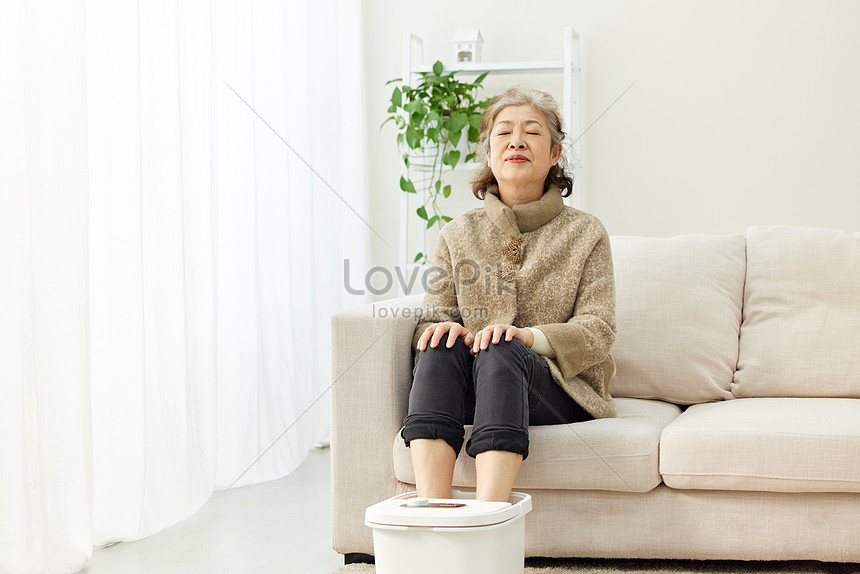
point(742, 113)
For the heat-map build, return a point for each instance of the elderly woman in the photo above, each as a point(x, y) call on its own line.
point(519, 314)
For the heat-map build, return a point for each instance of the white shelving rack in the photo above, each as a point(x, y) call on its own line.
point(568, 66)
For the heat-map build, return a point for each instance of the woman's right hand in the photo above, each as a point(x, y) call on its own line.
point(436, 331)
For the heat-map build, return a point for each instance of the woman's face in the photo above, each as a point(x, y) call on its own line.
point(521, 151)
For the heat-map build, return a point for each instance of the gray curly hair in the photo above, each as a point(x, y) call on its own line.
point(559, 175)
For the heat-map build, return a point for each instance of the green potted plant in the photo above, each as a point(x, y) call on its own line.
point(432, 118)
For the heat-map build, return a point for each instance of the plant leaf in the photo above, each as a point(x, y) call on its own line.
point(438, 67)
point(480, 78)
point(438, 185)
point(431, 221)
point(422, 213)
point(457, 122)
point(406, 185)
point(446, 219)
point(446, 191)
point(413, 107)
point(397, 98)
point(451, 158)
point(413, 138)
point(454, 137)
point(417, 257)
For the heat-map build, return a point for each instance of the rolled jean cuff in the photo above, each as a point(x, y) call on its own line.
point(515, 441)
point(432, 429)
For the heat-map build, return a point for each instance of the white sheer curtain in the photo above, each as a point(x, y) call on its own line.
point(168, 261)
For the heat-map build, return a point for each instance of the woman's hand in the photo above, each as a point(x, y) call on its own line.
point(436, 331)
point(494, 333)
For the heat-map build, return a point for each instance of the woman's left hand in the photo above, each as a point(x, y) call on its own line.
point(494, 333)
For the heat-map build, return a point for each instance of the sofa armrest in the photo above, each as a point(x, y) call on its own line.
point(371, 378)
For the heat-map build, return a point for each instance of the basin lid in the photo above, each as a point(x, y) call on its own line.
point(461, 511)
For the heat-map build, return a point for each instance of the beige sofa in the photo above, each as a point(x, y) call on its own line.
point(738, 429)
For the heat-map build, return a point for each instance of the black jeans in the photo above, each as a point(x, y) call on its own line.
point(503, 389)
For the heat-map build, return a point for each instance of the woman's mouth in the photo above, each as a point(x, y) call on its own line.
point(517, 159)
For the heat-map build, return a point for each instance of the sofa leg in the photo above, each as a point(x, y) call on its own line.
point(358, 558)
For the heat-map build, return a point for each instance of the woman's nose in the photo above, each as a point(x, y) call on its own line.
point(517, 144)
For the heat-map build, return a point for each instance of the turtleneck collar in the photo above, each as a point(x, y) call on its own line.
point(525, 217)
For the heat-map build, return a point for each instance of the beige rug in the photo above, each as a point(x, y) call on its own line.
point(593, 566)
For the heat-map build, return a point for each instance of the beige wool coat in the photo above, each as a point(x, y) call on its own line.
point(543, 265)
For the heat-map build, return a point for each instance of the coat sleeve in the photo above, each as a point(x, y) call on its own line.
point(440, 301)
point(587, 337)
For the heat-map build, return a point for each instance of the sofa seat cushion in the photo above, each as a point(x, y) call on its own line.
point(765, 444)
point(618, 454)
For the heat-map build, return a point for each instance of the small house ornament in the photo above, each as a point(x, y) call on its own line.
point(467, 45)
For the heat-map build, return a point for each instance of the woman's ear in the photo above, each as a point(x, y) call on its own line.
point(556, 153)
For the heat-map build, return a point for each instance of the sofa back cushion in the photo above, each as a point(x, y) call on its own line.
point(678, 313)
point(801, 328)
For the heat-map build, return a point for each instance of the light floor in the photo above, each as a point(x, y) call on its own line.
point(282, 527)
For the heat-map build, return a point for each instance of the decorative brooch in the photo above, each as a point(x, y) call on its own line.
point(513, 253)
